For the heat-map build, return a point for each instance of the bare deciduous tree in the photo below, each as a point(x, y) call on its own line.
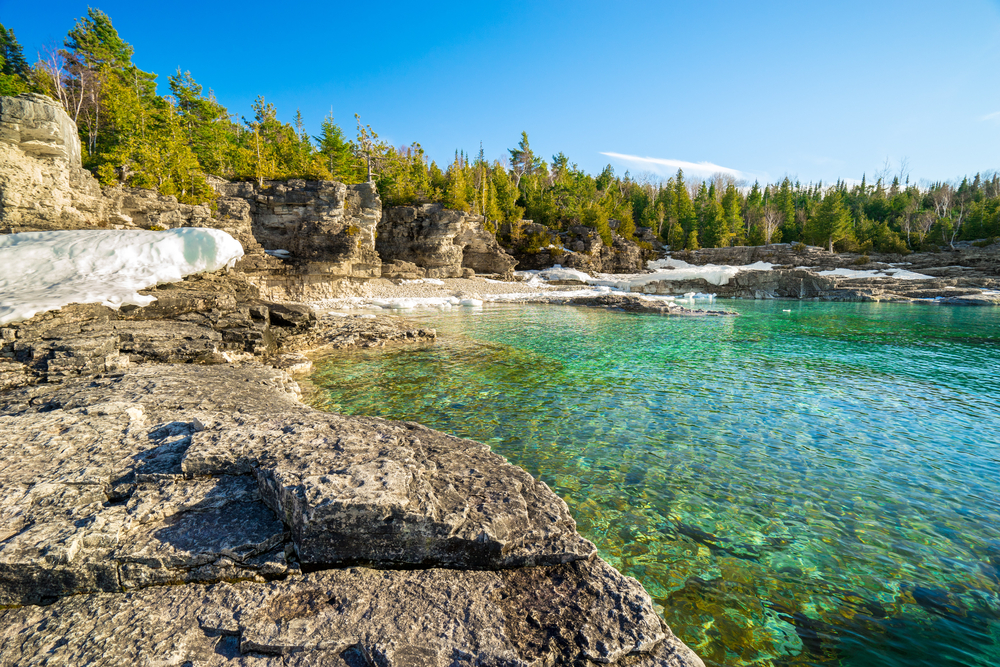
point(772, 220)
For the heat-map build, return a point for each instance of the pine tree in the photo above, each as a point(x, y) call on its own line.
point(336, 151)
point(683, 207)
point(831, 222)
point(732, 204)
point(210, 131)
point(455, 196)
point(715, 232)
point(786, 204)
point(506, 195)
point(522, 160)
point(15, 75)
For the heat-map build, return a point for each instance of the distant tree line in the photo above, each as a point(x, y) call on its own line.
point(132, 135)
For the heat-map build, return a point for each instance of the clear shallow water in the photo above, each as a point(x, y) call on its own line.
point(814, 487)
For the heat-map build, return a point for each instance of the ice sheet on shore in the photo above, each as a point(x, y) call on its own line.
point(898, 274)
point(662, 269)
point(42, 271)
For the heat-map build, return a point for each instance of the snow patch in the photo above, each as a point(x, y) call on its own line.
point(42, 271)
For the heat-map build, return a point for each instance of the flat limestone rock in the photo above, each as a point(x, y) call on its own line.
point(205, 473)
point(357, 490)
point(582, 612)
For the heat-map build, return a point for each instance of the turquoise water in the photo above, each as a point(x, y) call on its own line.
point(813, 487)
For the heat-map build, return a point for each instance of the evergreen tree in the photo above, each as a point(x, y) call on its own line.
point(455, 195)
point(522, 160)
point(732, 205)
point(15, 75)
point(684, 209)
point(831, 222)
point(715, 232)
point(207, 125)
point(336, 151)
point(785, 202)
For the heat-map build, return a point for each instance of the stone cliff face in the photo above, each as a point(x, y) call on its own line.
point(42, 184)
point(434, 242)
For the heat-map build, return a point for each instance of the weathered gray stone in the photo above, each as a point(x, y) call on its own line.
point(370, 491)
point(579, 247)
point(400, 270)
point(212, 529)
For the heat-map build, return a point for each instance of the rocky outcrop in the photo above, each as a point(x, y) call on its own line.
point(808, 284)
point(147, 209)
point(42, 183)
point(441, 242)
point(354, 617)
point(321, 231)
point(964, 261)
point(582, 248)
point(630, 303)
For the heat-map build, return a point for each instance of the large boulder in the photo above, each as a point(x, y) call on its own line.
point(445, 243)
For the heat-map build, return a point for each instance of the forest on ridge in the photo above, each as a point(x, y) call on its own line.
point(132, 135)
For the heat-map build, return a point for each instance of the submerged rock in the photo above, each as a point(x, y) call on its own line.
point(631, 303)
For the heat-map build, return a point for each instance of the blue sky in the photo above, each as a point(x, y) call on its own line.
point(816, 91)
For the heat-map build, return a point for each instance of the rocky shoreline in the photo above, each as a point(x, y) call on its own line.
point(300, 537)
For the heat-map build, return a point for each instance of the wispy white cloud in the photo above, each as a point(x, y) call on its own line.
point(663, 165)
point(995, 117)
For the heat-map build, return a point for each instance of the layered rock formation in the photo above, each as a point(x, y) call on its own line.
point(42, 185)
point(200, 514)
point(434, 242)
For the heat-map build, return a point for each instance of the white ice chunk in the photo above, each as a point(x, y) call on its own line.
point(42, 271)
point(557, 272)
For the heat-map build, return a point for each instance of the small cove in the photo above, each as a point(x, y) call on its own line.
point(810, 487)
